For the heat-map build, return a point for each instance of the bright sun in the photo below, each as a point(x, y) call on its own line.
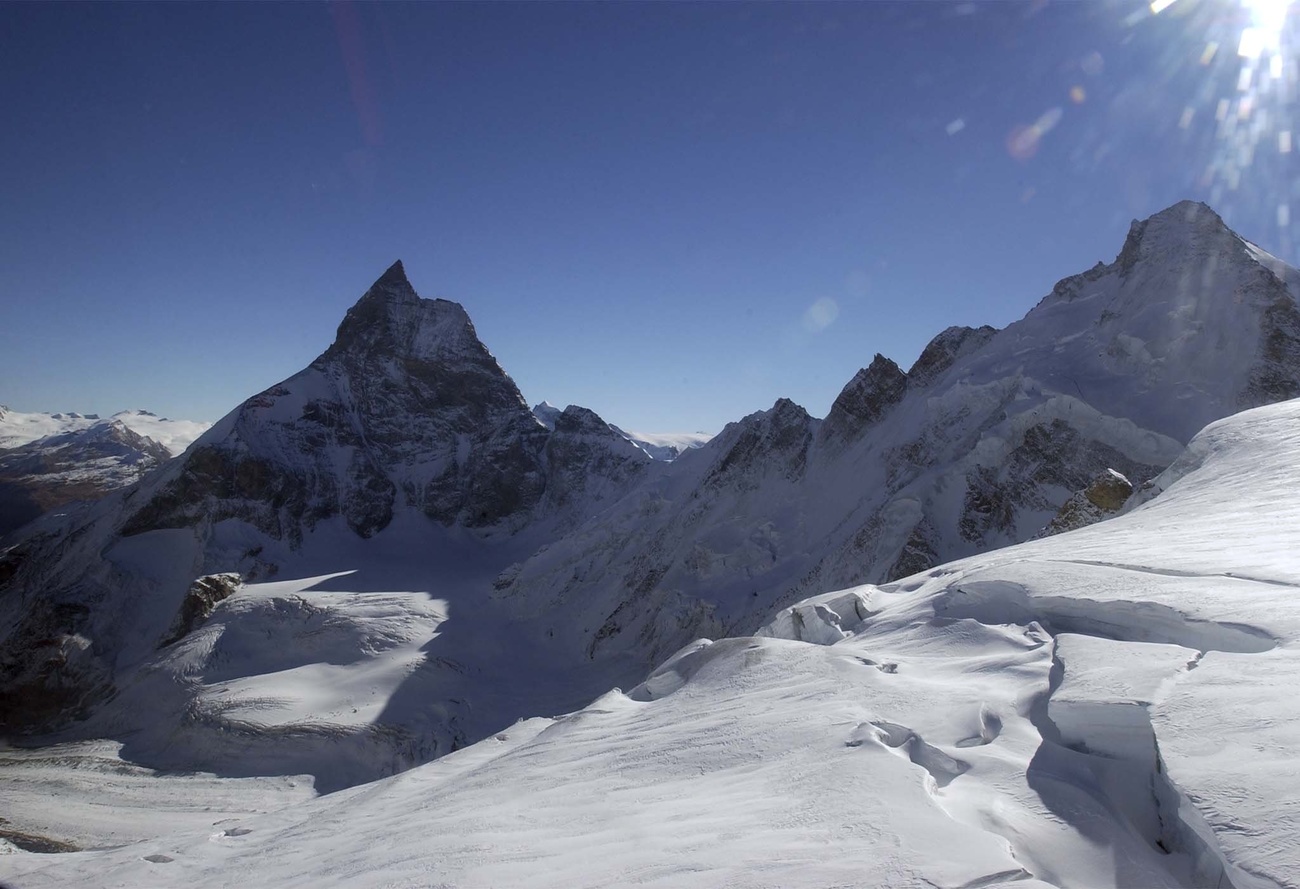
point(1267, 17)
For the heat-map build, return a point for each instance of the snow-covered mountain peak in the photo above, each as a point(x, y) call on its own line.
point(770, 442)
point(546, 414)
point(1187, 229)
point(392, 322)
point(575, 418)
point(1190, 323)
point(407, 408)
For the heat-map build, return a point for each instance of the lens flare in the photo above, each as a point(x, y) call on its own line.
point(1235, 66)
point(1268, 16)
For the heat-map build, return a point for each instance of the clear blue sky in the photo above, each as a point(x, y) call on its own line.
point(671, 213)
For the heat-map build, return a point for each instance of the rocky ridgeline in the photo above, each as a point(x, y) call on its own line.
point(618, 560)
point(407, 408)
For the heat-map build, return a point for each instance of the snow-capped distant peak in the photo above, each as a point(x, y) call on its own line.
point(18, 428)
point(546, 413)
point(174, 435)
point(665, 445)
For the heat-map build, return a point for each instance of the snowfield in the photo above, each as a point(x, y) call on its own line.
point(18, 428)
point(1114, 706)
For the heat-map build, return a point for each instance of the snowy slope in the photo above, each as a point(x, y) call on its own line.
point(425, 561)
point(1108, 707)
point(978, 445)
point(403, 456)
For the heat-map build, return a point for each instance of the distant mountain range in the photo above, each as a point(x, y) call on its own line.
point(530, 559)
point(666, 446)
point(51, 461)
point(840, 656)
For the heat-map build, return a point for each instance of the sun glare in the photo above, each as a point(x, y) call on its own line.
point(1268, 15)
point(1264, 34)
point(1248, 96)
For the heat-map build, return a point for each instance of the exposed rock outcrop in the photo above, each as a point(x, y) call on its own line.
point(865, 400)
point(1104, 497)
point(200, 599)
point(944, 350)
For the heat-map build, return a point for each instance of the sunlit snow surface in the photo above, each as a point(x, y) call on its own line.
point(1111, 707)
point(18, 428)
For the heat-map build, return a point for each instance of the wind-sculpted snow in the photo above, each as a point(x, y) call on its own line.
point(422, 562)
point(1111, 706)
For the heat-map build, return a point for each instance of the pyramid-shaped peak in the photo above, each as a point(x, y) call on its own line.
point(1186, 212)
point(395, 276)
point(393, 283)
point(392, 319)
point(1187, 227)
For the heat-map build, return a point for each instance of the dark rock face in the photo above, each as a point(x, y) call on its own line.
point(218, 483)
point(774, 440)
point(1275, 376)
point(49, 673)
point(406, 408)
point(587, 460)
point(918, 553)
point(865, 400)
point(944, 350)
point(1054, 455)
point(1128, 255)
point(1104, 497)
point(1109, 491)
point(200, 599)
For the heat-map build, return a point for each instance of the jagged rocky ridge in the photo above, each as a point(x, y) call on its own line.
point(977, 446)
point(405, 412)
point(666, 447)
point(406, 409)
point(406, 436)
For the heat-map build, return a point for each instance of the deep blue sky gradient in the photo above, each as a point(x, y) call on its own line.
point(637, 203)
